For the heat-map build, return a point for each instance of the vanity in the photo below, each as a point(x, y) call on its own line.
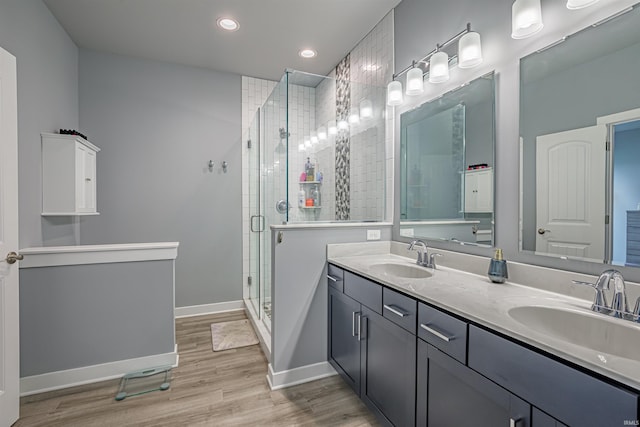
point(445, 347)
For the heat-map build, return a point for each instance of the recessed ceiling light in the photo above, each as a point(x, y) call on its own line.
point(307, 53)
point(228, 24)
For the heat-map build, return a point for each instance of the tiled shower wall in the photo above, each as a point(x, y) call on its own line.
point(371, 142)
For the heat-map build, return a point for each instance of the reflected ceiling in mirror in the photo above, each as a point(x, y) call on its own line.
point(580, 144)
point(447, 166)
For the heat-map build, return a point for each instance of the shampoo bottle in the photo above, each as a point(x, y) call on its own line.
point(301, 198)
point(498, 268)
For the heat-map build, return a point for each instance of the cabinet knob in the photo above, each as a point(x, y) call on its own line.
point(87, 179)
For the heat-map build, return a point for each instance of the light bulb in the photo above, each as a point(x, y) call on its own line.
point(469, 50)
point(439, 67)
point(322, 133)
point(366, 109)
point(415, 82)
point(579, 4)
point(343, 125)
point(394, 93)
point(333, 129)
point(526, 18)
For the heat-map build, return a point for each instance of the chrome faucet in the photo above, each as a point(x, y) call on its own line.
point(422, 254)
point(424, 259)
point(619, 305)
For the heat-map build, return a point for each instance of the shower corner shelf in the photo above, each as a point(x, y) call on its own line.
point(310, 182)
point(310, 207)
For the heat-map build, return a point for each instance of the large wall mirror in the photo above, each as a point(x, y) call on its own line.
point(447, 166)
point(580, 145)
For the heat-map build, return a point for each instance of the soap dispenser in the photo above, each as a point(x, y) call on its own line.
point(498, 268)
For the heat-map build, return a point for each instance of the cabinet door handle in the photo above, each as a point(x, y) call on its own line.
point(438, 334)
point(515, 423)
point(359, 327)
point(395, 310)
point(353, 323)
point(333, 279)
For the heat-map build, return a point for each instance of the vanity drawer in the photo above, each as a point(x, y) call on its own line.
point(400, 309)
point(571, 396)
point(364, 291)
point(443, 331)
point(335, 277)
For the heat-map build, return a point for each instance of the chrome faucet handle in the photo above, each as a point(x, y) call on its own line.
point(432, 259)
point(636, 311)
point(600, 304)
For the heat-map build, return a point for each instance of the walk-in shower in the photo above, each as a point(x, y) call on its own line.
point(315, 153)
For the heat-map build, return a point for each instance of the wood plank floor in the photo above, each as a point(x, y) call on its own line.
point(227, 388)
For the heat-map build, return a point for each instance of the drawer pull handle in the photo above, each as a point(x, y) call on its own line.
point(333, 279)
point(395, 310)
point(439, 334)
point(515, 423)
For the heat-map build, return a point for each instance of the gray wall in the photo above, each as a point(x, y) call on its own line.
point(158, 125)
point(82, 315)
point(419, 25)
point(47, 62)
point(626, 191)
point(299, 289)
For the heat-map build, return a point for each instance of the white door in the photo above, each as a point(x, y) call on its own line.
point(570, 193)
point(9, 332)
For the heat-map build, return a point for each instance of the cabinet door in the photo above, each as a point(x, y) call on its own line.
point(344, 346)
point(90, 181)
point(388, 369)
point(470, 192)
point(81, 158)
point(484, 191)
point(451, 394)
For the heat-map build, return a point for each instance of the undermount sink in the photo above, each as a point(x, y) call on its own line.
point(405, 271)
point(586, 329)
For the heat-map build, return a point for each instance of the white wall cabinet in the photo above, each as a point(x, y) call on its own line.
point(478, 191)
point(68, 175)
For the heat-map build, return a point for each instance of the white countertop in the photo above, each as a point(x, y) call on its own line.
point(477, 299)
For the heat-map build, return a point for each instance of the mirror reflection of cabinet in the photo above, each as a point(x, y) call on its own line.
point(68, 175)
point(478, 191)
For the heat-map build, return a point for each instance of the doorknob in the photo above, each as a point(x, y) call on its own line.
point(12, 257)
point(543, 230)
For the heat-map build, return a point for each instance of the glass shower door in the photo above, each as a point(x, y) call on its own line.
point(256, 225)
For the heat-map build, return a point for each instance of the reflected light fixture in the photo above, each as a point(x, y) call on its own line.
point(415, 82)
point(580, 4)
point(366, 109)
point(301, 147)
point(526, 18)
point(322, 133)
point(469, 50)
point(228, 24)
point(332, 128)
point(354, 116)
point(307, 143)
point(394, 93)
point(314, 138)
point(439, 67)
point(343, 125)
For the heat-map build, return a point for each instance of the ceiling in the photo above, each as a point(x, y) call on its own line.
point(271, 33)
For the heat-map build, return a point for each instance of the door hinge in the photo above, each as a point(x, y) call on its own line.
point(606, 219)
point(608, 146)
point(249, 280)
point(248, 143)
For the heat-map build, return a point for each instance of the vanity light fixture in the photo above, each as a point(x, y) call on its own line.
point(526, 18)
point(343, 125)
point(580, 4)
point(469, 50)
point(322, 133)
point(307, 53)
point(228, 24)
point(354, 116)
point(366, 109)
point(332, 128)
point(439, 67)
point(307, 143)
point(301, 146)
point(437, 63)
point(314, 138)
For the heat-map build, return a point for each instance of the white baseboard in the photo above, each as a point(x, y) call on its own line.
point(303, 374)
point(199, 310)
point(95, 373)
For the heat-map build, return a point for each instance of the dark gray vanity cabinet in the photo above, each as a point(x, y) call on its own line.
point(374, 355)
point(451, 394)
point(344, 346)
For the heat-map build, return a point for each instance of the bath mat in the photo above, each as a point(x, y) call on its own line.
point(234, 334)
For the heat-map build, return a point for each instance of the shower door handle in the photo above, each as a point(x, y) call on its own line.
point(260, 227)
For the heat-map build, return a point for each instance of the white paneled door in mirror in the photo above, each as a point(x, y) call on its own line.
point(9, 332)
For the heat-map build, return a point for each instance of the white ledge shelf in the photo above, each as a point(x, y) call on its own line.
point(51, 256)
point(69, 213)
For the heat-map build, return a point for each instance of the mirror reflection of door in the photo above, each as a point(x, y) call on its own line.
point(625, 200)
point(570, 200)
